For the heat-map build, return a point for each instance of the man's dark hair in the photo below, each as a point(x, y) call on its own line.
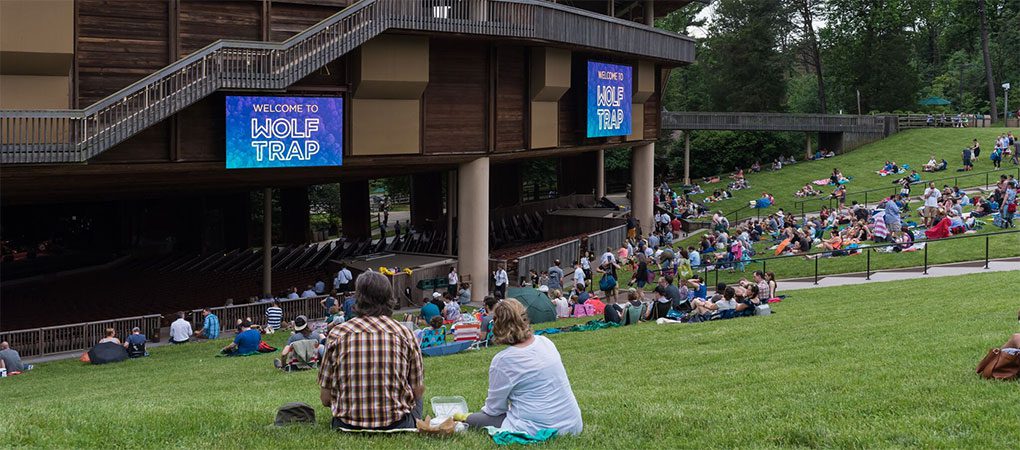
point(373, 294)
point(720, 287)
point(490, 302)
point(669, 278)
point(180, 314)
point(729, 293)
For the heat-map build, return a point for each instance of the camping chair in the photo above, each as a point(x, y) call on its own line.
point(136, 350)
point(466, 331)
point(632, 315)
point(432, 337)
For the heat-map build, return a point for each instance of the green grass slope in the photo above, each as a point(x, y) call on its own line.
point(911, 147)
point(876, 366)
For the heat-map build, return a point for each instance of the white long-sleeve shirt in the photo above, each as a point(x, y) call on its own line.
point(180, 330)
point(501, 278)
point(531, 387)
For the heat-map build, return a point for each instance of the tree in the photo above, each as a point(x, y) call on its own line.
point(806, 12)
point(983, 14)
point(746, 66)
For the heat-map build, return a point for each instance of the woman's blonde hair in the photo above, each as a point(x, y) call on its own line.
point(510, 324)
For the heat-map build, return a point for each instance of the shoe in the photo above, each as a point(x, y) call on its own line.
point(277, 364)
point(28, 367)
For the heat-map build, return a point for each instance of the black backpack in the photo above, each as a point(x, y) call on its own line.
point(136, 350)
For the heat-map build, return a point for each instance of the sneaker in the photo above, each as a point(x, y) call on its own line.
point(277, 364)
point(28, 367)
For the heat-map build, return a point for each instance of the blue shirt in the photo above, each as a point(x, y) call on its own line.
point(429, 311)
point(695, 259)
point(348, 308)
point(211, 326)
point(135, 339)
point(248, 341)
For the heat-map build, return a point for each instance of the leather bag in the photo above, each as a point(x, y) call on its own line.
point(999, 365)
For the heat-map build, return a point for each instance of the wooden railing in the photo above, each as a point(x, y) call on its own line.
point(310, 307)
point(742, 121)
point(36, 342)
point(47, 136)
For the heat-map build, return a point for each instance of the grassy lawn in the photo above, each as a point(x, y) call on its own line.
point(874, 366)
point(911, 147)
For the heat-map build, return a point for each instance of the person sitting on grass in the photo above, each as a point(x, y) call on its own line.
point(751, 299)
point(210, 325)
point(246, 342)
point(435, 335)
point(180, 329)
point(11, 359)
point(336, 317)
point(528, 385)
point(135, 344)
point(302, 332)
point(430, 309)
point(451, 310)
point(560, 304)
point(485, 328)
point(383, 390)
point(110, 336)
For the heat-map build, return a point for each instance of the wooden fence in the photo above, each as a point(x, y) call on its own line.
point(75, 337)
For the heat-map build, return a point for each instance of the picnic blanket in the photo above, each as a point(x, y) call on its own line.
point(590, 326)
point(507, 437)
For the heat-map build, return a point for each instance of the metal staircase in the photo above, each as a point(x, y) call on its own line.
point(74, 136)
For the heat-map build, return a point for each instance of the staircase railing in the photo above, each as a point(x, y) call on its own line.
point(70, 136)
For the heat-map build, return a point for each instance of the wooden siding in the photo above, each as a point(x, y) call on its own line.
point(287, 19)
point(202, 130)
point(455, 106)
point(652, 116)
point(151, 145)
point(202, 22)
point(119, 42)
point(511, 98)
point(568, 112)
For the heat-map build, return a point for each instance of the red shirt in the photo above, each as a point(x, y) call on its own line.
point(675, 224)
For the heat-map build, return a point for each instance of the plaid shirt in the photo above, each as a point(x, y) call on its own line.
point(370, 366)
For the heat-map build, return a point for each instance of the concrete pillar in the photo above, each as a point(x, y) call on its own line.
point(473, 227)
point(426, 200)
point(267, 242)
point(295, 224)
point(355, 210)
point(643, 184)
point(687, 158)
point(600, 174)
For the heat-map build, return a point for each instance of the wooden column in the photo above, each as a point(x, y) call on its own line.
point(355, 210)
point(687, 158)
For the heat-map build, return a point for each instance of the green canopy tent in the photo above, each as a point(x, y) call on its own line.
point(540, 309)
point(935, 101)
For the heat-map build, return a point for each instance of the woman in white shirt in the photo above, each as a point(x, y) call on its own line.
point(560, 303)
point(528, 386)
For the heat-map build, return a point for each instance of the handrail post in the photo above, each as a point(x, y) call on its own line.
point(816, 271)
point(986, 181)
point(40, 347)
point(865, 199)
point(986, 251)
point(868, 273)
point(717, 273)
point(764, 263)
point(926, 257)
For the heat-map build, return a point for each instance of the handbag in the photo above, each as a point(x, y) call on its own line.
point(1011, 207)
point(999, 365)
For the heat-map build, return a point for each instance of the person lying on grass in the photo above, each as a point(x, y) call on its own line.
point(528, 385)
point(807, 191)
point(707, 307)
point(383, 391)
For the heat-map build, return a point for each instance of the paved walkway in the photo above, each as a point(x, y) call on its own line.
point(944, 270)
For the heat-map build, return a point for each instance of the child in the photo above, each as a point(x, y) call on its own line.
point(435, 336)
point(335, 317)
point(451, 312)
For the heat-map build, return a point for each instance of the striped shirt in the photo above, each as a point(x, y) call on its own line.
point(371, 365)
point(211, 326)
point(274, 315)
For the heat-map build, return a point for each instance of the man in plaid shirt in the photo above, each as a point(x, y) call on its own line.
point(371, 373)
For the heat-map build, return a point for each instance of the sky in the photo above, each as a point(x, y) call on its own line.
point(708, 14)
